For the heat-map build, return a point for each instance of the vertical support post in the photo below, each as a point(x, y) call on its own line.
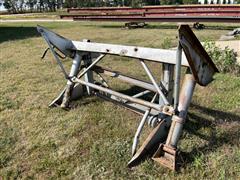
point(88, 77)
point(167, 81)
point(73, 72)
point(167, 153)
point(184, 102)
point(177, 75)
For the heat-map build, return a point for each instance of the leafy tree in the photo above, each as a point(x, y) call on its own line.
point(136, 3)
point(190, 2)
point(166, 2)
point(151, 2)
point(11, 6)
point(179, 1)
point(18, 6)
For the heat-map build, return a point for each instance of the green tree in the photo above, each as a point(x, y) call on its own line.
point(190, 1)
point(166, 2)
point(11, 6)
point(136, 3)
point(151, 2)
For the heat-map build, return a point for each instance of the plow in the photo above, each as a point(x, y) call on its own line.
point(163, 105)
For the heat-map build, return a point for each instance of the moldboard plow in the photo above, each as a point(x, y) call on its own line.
point(165, 111)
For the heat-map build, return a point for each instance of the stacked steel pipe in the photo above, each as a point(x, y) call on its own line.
point(180, 13)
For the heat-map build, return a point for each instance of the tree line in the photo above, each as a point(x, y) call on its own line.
point(19, 6)
point(132, 3)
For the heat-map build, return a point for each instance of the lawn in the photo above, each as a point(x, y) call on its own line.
point(93, 139)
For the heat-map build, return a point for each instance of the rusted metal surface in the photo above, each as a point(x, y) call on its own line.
point(166, 156)
point(200, 63)
point(155, 8)
point(157, 136)
point(182, 13)
point(167, 152)
point(165, 114)
point(205, 13)
point(163, 19)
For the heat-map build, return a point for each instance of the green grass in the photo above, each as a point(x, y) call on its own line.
point(28, 15)
point(93, 140)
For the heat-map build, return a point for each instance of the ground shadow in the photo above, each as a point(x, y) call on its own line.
point(17, 33)
point(159, 26)
point(135, 90)
point(214, 142)
point(85, 100)
point(122, 26)
point(194, 123)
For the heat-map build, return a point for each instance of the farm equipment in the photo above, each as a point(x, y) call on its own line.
point(166, 109)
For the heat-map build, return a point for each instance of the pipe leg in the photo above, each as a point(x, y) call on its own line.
point(177, 76)
point(167, 81)
point(73, 72)
point(166, 153)
point(88, 77)
point(185, 98)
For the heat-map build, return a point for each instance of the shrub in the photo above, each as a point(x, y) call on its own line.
point(225, 59)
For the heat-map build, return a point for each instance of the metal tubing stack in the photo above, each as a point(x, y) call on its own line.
point(180, 13)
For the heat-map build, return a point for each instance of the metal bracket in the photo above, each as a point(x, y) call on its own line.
point(166, 156)
point(199, 61)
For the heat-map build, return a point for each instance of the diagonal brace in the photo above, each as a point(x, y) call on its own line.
point(154, 82)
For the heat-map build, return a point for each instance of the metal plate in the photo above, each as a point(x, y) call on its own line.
point(199, 61)
point(150, 145)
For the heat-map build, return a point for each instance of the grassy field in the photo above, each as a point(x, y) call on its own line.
point(28, 15)
point(93, 140)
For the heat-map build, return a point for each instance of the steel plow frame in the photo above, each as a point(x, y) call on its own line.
point(167, 108)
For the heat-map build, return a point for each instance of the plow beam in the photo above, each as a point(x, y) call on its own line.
point(64, 45)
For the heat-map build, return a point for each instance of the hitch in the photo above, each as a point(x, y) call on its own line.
point(166, 107)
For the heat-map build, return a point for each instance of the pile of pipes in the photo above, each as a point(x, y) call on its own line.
point(179, 13)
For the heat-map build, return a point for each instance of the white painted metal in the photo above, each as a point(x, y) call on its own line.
point(140, 127)
point(151, 54)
